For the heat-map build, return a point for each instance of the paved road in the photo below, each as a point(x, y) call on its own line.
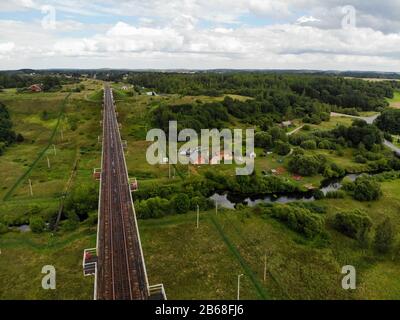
point(295, 130)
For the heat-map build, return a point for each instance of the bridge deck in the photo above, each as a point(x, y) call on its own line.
point(121, 269)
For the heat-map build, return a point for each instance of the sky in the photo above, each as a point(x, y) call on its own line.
point(197, 34)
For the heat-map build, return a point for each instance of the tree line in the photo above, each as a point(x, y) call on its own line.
point(332, 90)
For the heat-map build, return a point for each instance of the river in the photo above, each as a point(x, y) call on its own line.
point(229, 200)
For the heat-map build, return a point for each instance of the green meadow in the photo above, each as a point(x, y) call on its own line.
point(192, 263)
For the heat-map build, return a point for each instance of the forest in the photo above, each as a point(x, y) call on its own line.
point(7, 135)
point(281, 90)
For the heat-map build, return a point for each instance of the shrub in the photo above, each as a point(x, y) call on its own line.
point(360, 159)
point(384, 236)
point(309, 145)
point(354, 224)
point(82, 200)
point(325, 144)
point(202, 202)
point(307, 165)
point(37, 224)
point(366, 189)
point(318, 195)
point(263, 140)
point(180, 203)
point(282, 148)
point(298, 219)
point(152, 208)
point(338, 194)
point(3, 228)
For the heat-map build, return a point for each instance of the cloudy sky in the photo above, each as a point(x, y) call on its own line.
point(201, 34)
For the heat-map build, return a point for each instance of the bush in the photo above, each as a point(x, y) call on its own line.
point(338, 194)
point(318, 195)
point(298, 219)
point(325, 144)
point(152, 208)
point(282, 148)
point(354, 224)
point(306, 165)
point(3, 228)
point(82, 200)
point(384, 236)
point(263, 140)
point(366, 189)
point(360, 159)
point(202, 202)
point(309, 145)
point(389, 121)
point(37, 224)
point(180, 203)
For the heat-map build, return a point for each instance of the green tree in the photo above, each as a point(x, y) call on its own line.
point(263, 140)
point(355, 224)
point(366, 189)
point(309, 145)
point(282, 148)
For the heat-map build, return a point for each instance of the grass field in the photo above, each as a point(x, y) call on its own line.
point(23, 255)
point(209, 258)
point(29, 160)
point(395, 102)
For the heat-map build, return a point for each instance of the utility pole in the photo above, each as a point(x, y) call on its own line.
point(30, 187)
point(216, 207)
point(48, 162)
point(54, 148)
point(198, 216)
point(169, 170)
point(238, 286)
point(61, 131)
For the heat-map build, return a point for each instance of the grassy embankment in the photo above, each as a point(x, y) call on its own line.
point(75, 139)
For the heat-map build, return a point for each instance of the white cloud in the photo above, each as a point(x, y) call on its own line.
point(307, 19)
point(203, 34)
point(6, 47)
point(269, 7)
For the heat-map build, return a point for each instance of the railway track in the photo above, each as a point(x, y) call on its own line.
point(121, 273)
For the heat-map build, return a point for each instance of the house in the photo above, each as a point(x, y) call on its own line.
point(286, 124)
point(221, 156)
point(35, 88)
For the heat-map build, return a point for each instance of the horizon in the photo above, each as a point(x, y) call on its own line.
point(328, 71)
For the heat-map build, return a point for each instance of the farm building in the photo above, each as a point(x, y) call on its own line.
point(286, 124)
point(35, 88)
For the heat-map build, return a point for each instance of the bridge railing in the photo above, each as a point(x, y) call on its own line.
point(157, 292)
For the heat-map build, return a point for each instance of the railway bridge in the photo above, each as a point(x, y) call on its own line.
point(117, 262)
